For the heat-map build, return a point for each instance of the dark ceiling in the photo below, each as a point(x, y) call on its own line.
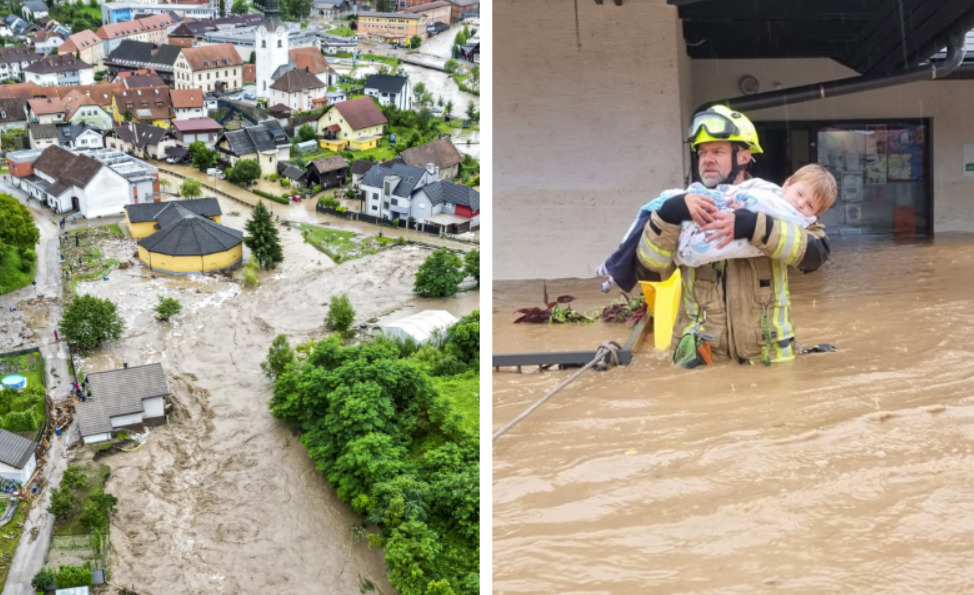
point(869, 36)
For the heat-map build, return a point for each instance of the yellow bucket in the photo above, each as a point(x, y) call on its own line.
point(663, 302)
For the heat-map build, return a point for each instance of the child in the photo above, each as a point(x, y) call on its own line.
point(808, 193)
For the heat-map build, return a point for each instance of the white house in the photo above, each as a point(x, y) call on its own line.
point(209, 68)
point(14, 59)
point(122, 399)
point(446, 203)
point(187, 103)
point(297, 89)
point(66, 181)
point(17, 458)
point(390, 89)
point(390, 189)
point(267, 143)
point(34, 10)
point(78, 136)
point(59, 71)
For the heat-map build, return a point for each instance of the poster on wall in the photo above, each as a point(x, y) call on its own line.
point(851, 190)
point(904, 149)
point(876, 156)
point(969, 159)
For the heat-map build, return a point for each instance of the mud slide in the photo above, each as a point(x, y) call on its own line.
point(224, 499)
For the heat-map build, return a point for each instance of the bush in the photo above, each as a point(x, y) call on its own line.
point(279, 357)
point(250, 278)
point(74, 476)
point(272, 178)
point(439, 275)
point(285, 182)
point(340, 314)
point(471, 265)
point(72, 576)
point(43, 579)
point(168, 307)
point(330, 203)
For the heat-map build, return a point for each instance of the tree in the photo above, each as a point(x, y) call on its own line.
point(89, 321)
point(262, 238)
point(43, 579)
point(449, 108)
point(244, 172)
point(62, 502)
point(279, 357)
point(223, 8)
point(472, 111)
point(340, 314)
point(295, 10)
point(74, 476)
point(385, 5)
point(439, 275)
point(203, 158)
point(450, 66)
point(306, 133)
point(168, 307)
point(471, 265)
point(253, 58)
point(475, 75)
point(415, 41)
point(241, 7)
point(17, 226)
point(191, 188)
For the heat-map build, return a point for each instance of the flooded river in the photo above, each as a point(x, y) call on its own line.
point(845, 472)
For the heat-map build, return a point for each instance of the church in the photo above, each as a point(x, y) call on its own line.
point(271, 43)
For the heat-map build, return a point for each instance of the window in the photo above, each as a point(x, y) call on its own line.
point(279, 43)
point(385, 205)
point(263, 43)
point(375, 208)
point(395, 202)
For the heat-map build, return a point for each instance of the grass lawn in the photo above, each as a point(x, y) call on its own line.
point(10, 274)
point(341, 246)
point(10, 537)
point(342, 31)
point(93, 11)
point(377, 58)
point(93, 265)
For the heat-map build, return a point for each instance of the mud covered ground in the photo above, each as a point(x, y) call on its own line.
point(224, 499)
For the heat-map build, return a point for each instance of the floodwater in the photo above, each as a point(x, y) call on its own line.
point(846, 472)
point(225, 499)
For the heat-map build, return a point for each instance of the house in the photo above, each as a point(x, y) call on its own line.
point(113, 12)
point(188, 32)
point(267, 143)
point(141, 140)
point(13, 114)
point(310, 59)
point(333, 44)
point(13, 61)
point(250, 73)
point(359, 169)
point(442, 153)
point(470, 51)
point(297, 89)
point(89, 47)
point(34, 10)
point(143, 77)
point(356, 124)
point(150, 29)
point(46, 110)
point(390, 189)
point(17, 25)
point(149, 105)
point(188, 242)
point(81, 108)
point(202, 129)
point(327, 172)
point(59, 71)
point(41, 135)
point(210, 68)
point(17, 457)
point(388, 89)
point(436, 12)
point(45, 42)
point(331, 8)
point(446, 203)
point(392, 26)
point(286, 169)
point(464, 9)
point(122, 399)
point(78, 137)
point(142, 219)
point(187, 103)
point(131, 55)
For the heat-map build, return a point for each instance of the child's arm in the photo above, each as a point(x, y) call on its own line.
point(806, 249)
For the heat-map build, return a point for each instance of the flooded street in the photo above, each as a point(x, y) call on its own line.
point(225, 498)
point(844, 472)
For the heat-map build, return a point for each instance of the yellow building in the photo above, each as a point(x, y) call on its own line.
point(355, 124)
point(392, 26)
point(184, 237)
point(148, 105)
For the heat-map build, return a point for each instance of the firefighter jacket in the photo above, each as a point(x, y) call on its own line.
point(743, 304)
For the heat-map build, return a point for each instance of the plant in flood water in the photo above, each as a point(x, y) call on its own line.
point(341, 315)
point(558, 310)
point(168, 307)
point(626, 309)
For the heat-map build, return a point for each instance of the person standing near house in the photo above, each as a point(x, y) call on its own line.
point(741, 307)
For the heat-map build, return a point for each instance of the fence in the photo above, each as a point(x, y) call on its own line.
point(427, 227)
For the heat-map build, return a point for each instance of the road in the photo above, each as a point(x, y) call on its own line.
point(30, 554)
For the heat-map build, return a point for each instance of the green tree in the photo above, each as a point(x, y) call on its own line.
point(168, 307)
point(295, 10)
point(463, 338)
point(415, 41)
point(279, 357)
point(17, 226)
point(340, 314)
point(439, 275)
point(62, 502)
point(471, 265)
point(88, 321)
point(448, 110)
point(450, 66)
point(241, 7)
point(43, 579)
point(385, 5)
point(223, 8)
point(244, 172)
point(306, 133)
point(253, 56)
point(203, 158)
point(191, 188)
point(472, 111)
point(72, 576)
point(74, 476)
point(475, 75)
point(262, 238)
point(92, 517)
point(418, 90)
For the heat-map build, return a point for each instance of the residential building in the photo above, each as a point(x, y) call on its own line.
point(250, 73)
point(13, 114)
point(392, 26)
point(333, 44)
point(80, 108)
point(41, 135)
point(272, 43)
point(149, 105)
point(290, 171)
point(142, 219)
point(45, 42)
point(13, 61)
point(141, 177)
point(143, 77)
point(137, 55)
point(389, 189)
point(17, 25)
point(77, 137)
point(142, 140)
point(18, 458)
point(388, 89)
point(34, 10)
point(356, 124)
point(122, 399)
point(209, 68)
point(245, 38)
point(462, 9)
point(442, 153)
point(89, 47)
point(189, 242)
point(202, 129)
point(297, 89)
point(150, 29)
point(267, 143)
point(46, 110)
point(310, 59)
point(446, 203)
point(327, 172)
point(359, 169)
point(187, 103)
point(188, 33)
point(114, 12)
point(332, 8)
point(436, 12)
point(59, 71)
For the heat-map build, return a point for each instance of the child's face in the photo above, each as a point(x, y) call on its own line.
point(800, 196)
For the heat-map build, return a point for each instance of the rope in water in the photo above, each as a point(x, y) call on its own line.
point(606, 356)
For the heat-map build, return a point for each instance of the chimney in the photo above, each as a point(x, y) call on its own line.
point(432, 169)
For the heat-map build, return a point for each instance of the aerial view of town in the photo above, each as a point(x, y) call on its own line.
point(239, 296)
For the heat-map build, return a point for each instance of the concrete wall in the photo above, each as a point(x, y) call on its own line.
point(946, 103)
point(588, 122)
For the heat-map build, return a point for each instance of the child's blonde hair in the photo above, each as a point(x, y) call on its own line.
point(822, 183)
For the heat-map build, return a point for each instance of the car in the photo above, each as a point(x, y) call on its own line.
point(171, 160)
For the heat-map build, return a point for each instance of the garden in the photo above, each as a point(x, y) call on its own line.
point(22, 410)
point(83, 259)
point(342, 246)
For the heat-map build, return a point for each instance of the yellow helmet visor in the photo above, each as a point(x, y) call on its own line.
point(715, 125)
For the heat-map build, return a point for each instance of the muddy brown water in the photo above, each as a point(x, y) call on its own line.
point(842, 473)
point(225, 499)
